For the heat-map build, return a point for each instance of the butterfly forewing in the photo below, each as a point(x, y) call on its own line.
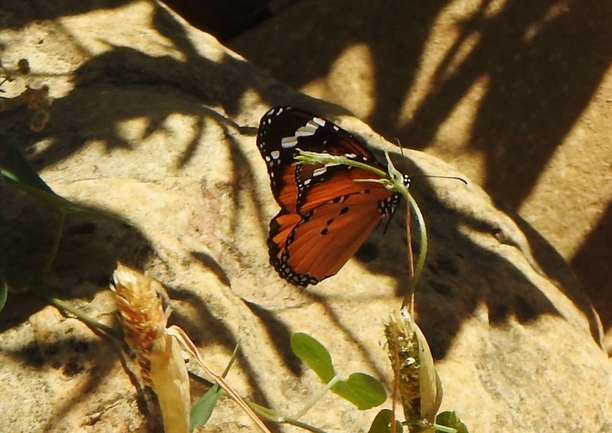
point(325, 214)
point(283, 129)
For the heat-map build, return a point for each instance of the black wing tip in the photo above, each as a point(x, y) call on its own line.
point(277, 110)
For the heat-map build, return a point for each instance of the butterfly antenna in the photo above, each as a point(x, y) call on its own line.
point(399, 144)
point(412, 176)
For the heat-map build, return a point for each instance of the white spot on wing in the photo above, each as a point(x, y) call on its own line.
point(289, 142)
point(319, 171)
point(275, 154)
point(318, 121)
point(306, 131)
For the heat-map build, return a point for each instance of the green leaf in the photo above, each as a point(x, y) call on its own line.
point(3, 290)
point(313, 354)
point(362, 390)
point(16, 169)
point(203, 408)
point(382, 423)
point(18, 172)
point(450, 419)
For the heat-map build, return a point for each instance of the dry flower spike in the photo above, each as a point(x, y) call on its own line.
point(418, 383)
point(162, 366)
point(158, 348)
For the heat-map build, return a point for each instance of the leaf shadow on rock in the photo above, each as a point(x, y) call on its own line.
point(526, 76)
point(461, 274)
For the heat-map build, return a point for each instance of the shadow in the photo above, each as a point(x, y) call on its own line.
point(91, 244)
point(91, 103)
point(527, 89)
point(461, 275)
point(205, 329)
point(542, 67)
point(280, 335)
point(538, 68)
point(592, 264)
point(90, 247)
point(212, 265)
point(21, 14)
point(67, 357)
point(571, 284)
point(222, 19)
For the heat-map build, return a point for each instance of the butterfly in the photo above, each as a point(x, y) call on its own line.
point(325, 214)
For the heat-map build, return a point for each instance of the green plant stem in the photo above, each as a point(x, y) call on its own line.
point(395, 178)
point(208, 383)
point(231, 361)
point(306, 157)
point(420, 263)
point(443, 428)
point(302, 425)
point(273, 416)
point(315, 398)
point(67, 307)
point(56, 241)
point(265, 412)
point(200, 379)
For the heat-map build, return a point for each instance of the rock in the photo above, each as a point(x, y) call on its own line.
point(519, 102)
point(152, 130)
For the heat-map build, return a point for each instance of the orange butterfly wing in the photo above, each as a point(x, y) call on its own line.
point(325, 215)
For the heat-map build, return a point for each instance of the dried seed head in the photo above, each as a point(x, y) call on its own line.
point(141, 313)
point(418, 383)
point(159, 354)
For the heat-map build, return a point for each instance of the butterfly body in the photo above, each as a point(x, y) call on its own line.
point(327, 210)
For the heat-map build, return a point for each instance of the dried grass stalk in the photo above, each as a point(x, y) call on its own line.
point(417, 381)
point(162, 365)
point(158, 348)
